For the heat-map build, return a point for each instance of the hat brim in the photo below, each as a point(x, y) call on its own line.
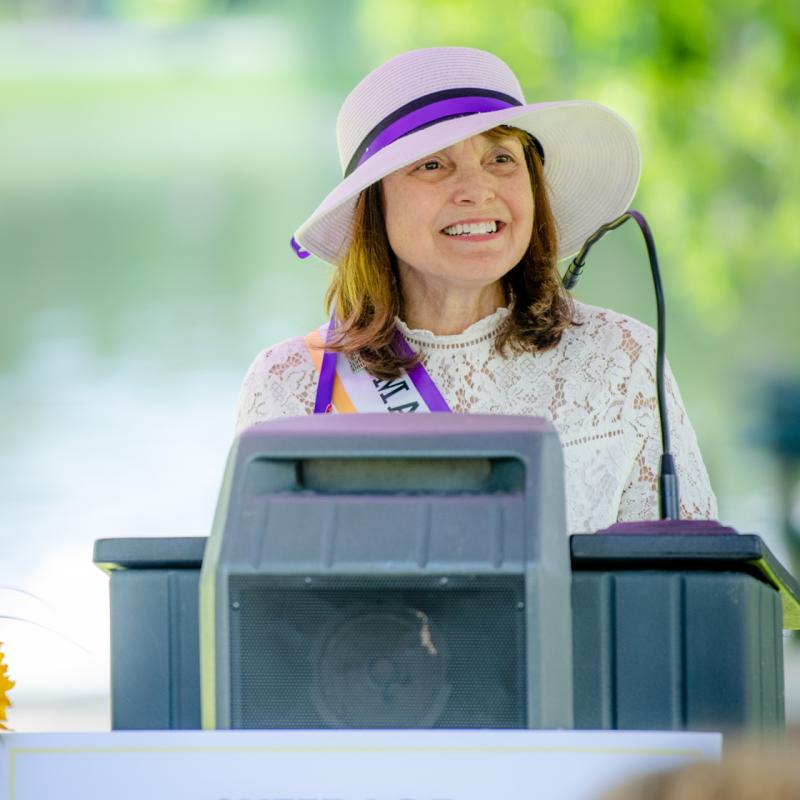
point(592, 168)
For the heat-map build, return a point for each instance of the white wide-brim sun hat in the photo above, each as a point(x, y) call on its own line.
point(423, 101)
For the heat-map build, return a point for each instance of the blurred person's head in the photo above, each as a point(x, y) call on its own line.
point(748, 771)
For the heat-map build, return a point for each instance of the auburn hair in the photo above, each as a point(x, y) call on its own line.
point(365, 289)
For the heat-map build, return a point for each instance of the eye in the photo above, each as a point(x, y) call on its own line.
point(430, 165)
point(502, 161)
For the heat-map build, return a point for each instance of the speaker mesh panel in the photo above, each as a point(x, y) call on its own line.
point(358, 656)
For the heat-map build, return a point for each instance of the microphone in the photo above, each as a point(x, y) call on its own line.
point(668, 501)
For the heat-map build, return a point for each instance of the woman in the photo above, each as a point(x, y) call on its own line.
point(457, 202)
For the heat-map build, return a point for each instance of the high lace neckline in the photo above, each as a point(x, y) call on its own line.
point(483, 329)
point(595, 387)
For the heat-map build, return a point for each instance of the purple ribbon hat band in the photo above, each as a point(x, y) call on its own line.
point(426, 111)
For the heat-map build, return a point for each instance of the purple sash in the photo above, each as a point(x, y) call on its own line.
point(418, 375)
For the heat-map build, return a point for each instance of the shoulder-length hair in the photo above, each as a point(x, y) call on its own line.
point(365, 289)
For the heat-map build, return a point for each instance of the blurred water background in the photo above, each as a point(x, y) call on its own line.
point(155, 158)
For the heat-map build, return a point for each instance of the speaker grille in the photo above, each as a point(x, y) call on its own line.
point(360, 656)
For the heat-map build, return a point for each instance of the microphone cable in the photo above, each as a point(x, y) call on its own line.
point(668, 502)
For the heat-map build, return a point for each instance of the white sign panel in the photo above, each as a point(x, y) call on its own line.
point(336, 765)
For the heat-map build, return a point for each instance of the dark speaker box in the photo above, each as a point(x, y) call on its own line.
point(371, 572)
point(375, 654)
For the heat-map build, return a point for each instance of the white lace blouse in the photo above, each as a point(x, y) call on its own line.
point(596, 387)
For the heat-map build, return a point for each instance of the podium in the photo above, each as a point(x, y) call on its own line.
point(625, 629)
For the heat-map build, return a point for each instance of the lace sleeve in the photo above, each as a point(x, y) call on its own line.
point(640, 496)
point(280, 383)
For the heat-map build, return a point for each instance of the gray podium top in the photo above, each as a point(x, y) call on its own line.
point(742, 552)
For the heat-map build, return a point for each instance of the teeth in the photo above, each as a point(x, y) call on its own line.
point(472, 229)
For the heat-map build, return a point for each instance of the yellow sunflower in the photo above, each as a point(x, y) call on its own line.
point(5, 685)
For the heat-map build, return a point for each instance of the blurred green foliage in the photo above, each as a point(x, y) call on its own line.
point(710, 87)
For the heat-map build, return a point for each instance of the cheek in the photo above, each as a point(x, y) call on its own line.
point(405, 221)
point(524, 213)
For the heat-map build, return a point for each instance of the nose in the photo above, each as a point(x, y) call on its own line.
point(474, 187)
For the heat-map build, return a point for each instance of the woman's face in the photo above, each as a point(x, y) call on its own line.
point(480, 184)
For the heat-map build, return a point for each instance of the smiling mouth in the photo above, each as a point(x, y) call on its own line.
point(474, 229)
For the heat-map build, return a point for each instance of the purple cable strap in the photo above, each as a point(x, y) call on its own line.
point(671, 527)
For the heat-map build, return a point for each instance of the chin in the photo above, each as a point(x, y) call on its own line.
point(487, 271)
